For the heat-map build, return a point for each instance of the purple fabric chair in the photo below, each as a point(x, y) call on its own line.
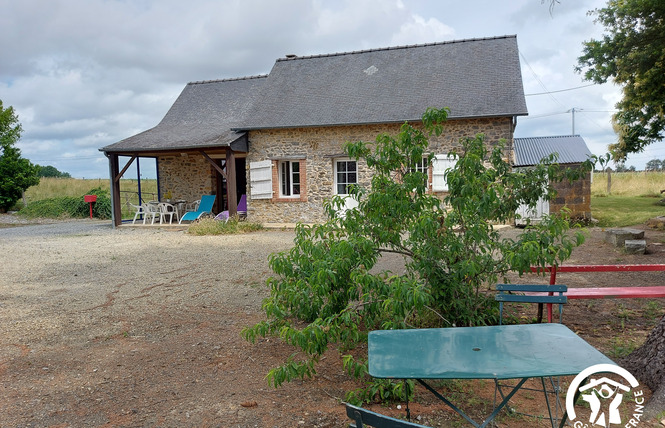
point(242, 210)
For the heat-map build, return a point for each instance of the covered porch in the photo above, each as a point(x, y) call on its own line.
point(197, 151)
point(184, 175)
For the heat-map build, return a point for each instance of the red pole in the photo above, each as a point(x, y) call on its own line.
point(552, 282)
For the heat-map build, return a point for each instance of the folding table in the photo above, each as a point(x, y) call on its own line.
point(492, 352)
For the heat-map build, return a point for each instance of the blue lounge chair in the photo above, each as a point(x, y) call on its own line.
point(205, 207)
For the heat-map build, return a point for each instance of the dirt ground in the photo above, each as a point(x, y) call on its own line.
point(140, 327)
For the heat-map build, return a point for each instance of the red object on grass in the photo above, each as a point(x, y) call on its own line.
point(90, 199)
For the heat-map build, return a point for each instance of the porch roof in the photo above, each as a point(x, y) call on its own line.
point(202, 117)
point(474, 77)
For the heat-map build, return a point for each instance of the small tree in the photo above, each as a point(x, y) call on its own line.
point(16, 173)
point(51, 171)
point(654, 165)
point(451, 248)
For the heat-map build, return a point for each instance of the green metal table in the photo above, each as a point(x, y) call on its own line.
point(493, 352)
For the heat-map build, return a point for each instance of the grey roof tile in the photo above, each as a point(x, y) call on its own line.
point(202, 116)
point(570, 149)
point(474, 77)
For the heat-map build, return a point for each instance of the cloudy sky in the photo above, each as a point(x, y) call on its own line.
point(83, 74)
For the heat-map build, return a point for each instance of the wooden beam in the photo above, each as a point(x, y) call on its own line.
point(117, 177)
point(115, 189)
point(214, 164)
point(231, 186)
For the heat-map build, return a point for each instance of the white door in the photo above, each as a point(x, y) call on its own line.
point(536, 214)
point(346, 175)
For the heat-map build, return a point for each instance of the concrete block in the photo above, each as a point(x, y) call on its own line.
point(618, 237)
point(635, 246)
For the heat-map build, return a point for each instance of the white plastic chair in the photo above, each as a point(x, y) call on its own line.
point(166, 209)
point(151, 210)
point(140, 211)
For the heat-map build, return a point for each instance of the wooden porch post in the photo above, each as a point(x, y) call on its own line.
point(116, 209)
point(231, 186)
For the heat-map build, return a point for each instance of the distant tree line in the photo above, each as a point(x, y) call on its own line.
point(51, 171)
point(655, 165)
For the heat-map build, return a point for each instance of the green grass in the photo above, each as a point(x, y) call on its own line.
point(620, 211)
point(210, 226)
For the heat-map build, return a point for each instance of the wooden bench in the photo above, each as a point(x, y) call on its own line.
point(366, 418)
point(603, 292)
point(616, 292)
point(532, 293)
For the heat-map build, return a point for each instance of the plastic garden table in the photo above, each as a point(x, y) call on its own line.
point(494, 352)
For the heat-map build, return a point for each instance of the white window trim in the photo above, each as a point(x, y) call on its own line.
point(280, 166)
point(335, 183)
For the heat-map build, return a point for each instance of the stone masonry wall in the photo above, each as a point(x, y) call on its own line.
point(320, 147)
point(575, 196)
point(186, 177)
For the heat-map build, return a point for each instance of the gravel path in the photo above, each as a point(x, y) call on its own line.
point(130, 324)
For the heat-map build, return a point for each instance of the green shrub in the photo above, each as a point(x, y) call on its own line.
point(325, 291)
point(70, 207)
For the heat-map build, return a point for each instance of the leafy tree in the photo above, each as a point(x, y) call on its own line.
point(16, 173)
point(51, 171)
point(452, 251)
point(632, 53)
point(654, 165)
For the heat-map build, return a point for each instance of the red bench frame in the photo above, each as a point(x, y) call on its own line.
point(603, 292)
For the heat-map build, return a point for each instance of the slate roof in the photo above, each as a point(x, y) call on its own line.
point(570, 148)
point(474, 77)
point(202, 116)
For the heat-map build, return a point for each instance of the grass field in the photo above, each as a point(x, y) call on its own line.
point(640, 183)
point(56, 187)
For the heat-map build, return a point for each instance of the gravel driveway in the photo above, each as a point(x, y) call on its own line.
point(130, 326)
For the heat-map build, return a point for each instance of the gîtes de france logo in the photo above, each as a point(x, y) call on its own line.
point(604, 397)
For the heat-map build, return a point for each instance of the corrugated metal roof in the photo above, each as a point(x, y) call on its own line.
point(202, 116)
point(531, 150)
point(474, 77)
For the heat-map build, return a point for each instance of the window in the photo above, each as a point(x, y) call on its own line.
point(346, 175)
point(422, 166)
point(289, 179)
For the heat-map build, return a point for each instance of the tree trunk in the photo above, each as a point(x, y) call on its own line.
point(647, 364)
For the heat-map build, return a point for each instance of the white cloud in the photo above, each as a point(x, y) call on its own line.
point(86, 73)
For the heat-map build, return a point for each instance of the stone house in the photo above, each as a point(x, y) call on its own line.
point(278, 138)
point(571, 151)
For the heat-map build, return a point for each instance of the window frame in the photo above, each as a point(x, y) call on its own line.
point(287, 183)
point(336, 173)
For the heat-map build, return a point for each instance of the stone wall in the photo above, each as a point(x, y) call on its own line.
point(186, 177)
point(575, 196)
point(320, 147)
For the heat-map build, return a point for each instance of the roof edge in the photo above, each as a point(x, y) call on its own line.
point(232, 79)
point(390, 48)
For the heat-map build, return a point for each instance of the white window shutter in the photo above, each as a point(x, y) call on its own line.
point(441, 164)
point(260, 176)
